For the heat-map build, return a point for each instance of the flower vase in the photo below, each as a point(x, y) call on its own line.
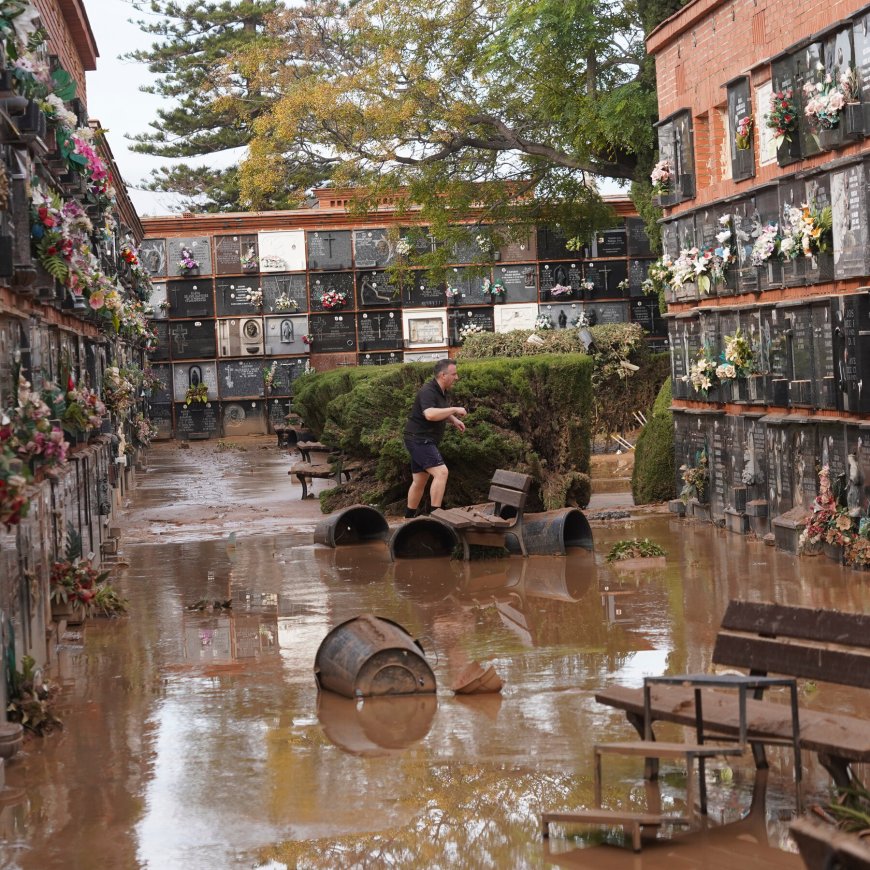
point(833, 551)
point(831, 137)
point(189, 273)
point(789, 150)
point(497, 298)
point(853, 121)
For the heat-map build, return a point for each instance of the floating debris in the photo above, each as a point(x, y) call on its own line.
point(205, 605)
point(478, 680)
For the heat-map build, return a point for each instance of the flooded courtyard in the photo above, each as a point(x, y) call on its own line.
point(194, 736)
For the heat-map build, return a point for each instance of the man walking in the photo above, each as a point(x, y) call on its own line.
point(423, 432)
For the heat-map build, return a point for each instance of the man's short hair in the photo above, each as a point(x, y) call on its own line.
point(442, 365)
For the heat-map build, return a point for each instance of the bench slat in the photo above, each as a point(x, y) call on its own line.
point(512, 479)
point(812, 661)
point(511, 497)
point(831, 626)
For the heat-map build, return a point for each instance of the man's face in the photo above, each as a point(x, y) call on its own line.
point(448, 377)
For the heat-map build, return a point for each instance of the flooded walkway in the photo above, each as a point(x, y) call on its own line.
point(196, 739)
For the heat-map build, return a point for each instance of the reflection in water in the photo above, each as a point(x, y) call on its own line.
point(195, 740)
point(375, 726)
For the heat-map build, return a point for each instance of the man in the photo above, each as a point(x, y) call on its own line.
point(423, 432)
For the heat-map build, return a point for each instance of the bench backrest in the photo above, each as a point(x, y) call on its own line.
point(804, 642)
point(509, 489)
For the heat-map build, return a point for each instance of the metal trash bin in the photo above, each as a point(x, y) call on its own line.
point(352, 525)
point(553, 533)
point(423, 538)
point(368, 656)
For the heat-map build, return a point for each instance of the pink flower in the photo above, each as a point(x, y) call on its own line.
point(97, 300)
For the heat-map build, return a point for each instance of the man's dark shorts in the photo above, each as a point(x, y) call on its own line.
point(424, 454)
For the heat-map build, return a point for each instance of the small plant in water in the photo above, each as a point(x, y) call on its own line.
point(30, 699)
point(634, 548)
point(850, 811)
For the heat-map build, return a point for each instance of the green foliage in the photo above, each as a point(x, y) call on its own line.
point(30, 699)
point(652, 479)
point(634, 548)
point(851, 809)
point(528, 414)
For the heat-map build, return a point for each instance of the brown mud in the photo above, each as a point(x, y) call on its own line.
point(197, 739)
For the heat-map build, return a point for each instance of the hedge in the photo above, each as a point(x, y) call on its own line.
point(653, 477)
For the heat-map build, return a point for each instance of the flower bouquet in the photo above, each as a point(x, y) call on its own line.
point(470, 329)
point(560, 290)
point(662, 176)
point(497, 289)
point(283, 302)
point(144, 431)
point(84, 410)
point(587, 286)
point(119, 389)
point(269, 374)
point(452, 293)
point(766, 245)
point(807, 230)
point(829, 522)
point(695, 478)
point(782, 116)
point(255, 298)
point(308, 338)
point(544, 321)
point(702, 372)
point(187, 265)
point(743, 133)
point(825, 99)
point(333, 300)
point(706, 268)
point(403, 248)
point(196, 393)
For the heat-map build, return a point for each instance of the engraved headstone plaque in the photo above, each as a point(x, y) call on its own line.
point(374, 290)
point(510, 317)
point(162, 351)
point(192, 339)
point(379, 330)
point(520, 282)
point(824, 374)
point(332, 333)
point(428, 356)
point(562, 314)
point(606, 277)
point(425, 329)
point(329, 249)
point(419, 239)
point(552, 244)
point(820, 267)
point(159, 301)
point(610, 243)
point(241, 336)
point(282, 250)
point(421, 292)
point(242, 377)
point(637, 239)
point(380, 359)
point(198, 246)
point(471, 284)
point(191, 298)
point(236, 255)
point(480, 319)
point(373, 249)
point(849, 214)
point(739, 107)
point(516, 250)
point(234, 295)
point(152, 256)
point(555, 275)
point(637, 274)
point(767, 211)
point(160, 416)
point(284, 294)
point(335, 282)
point(286, 373)
point(278, 409)
point(161, 393)
point(791, 197)
point(186, 375)
point(193, 422)
point(645, 311)
point(243, 417)
point(600, 313)
point(746, 225)
point(286, 334)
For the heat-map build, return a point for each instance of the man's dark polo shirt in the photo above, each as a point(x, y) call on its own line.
point(418, 428)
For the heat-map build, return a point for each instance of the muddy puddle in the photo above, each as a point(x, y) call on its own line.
point(196, 738)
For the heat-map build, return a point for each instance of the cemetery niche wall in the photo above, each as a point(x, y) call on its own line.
point(766, 270)
point(304, 288)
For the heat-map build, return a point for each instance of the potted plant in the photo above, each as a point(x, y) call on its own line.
point(188, 264)
point(695, 478)
point(196, 393)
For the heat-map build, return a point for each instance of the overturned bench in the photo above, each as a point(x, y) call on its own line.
point(800, 642)
point(307, 472)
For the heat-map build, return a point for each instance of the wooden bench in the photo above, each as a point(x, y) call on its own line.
point(306, 472)
point(801, 642)
point(488, 526)
point(306, 448)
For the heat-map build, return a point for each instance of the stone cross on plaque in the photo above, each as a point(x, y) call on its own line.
point(379, 319)
point(604, 270)
point(179, 334)
point(329, 239)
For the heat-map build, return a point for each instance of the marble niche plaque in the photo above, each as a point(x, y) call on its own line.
point(637, 239)
point(429, 356)
point(568, 274)
point(162, 393)
point(473, 246)
point(277, 410)
point(849, 214)
point(186, 375)
point(645, 311)
point(282, 251)
point(510, 317)
point(198, 246)
point(425, 329)
point(340, 282)
point(161, 331)
point(562, 314)
point(239, 378)
point(385, 358)
point(332, 333)
point(236, 255)
point(552, 244)
point(284, 335)
point(606, 277)
point(233, 295)
point(824, 367)
point(610, 243)
point(820, 267)
point(422, 292)
point(470, 283)
point(373, 249)
point(196, 422)
point(329, 249)
point(516, 250)
point(159, 295)
point(373, 290)
point(286, 373)
point(379, 330)
point(244, 417)
point(483, 318)
point(606, 312)
point(191, 298)
point(160, 416)
point(293, 287)
point(241, 336)
point(520, 281)
point(192, 339)
point(152, 256)
point(854, 353)
point(637, 273)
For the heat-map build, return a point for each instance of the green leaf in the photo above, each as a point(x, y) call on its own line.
point(64, 84)
point(704, 283)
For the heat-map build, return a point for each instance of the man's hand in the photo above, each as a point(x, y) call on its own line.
point(459, 412)
point(458, 423)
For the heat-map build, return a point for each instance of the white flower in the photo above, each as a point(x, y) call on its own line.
point(723, 237)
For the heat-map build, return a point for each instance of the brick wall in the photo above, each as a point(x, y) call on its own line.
point(70, 38)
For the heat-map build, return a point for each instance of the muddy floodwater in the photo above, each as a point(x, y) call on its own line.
point(196, 739)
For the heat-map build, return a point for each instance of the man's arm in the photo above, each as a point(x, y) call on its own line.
point(453, 420)
point(436, 415)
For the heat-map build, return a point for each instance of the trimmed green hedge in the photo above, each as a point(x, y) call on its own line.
point(529, 414)
point(653, 477)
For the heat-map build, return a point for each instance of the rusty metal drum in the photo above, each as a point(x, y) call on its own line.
point(423, 538)
point(369, 656)
point(553, 533)
point(356, 524)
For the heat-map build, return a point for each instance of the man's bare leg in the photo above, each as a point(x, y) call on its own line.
point(439, 484)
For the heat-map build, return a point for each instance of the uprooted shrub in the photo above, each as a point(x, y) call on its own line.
point(625, 375)
point(529, 414)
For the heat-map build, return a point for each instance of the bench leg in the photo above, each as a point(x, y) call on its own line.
point(838, 768)
point(301, 479)
point(597, 778)
point(650, 765)
point(635, 836)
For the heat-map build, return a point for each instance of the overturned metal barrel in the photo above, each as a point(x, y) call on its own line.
point(553, 533)
point(352, 525)
point(423, 538)
point(367, 656)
